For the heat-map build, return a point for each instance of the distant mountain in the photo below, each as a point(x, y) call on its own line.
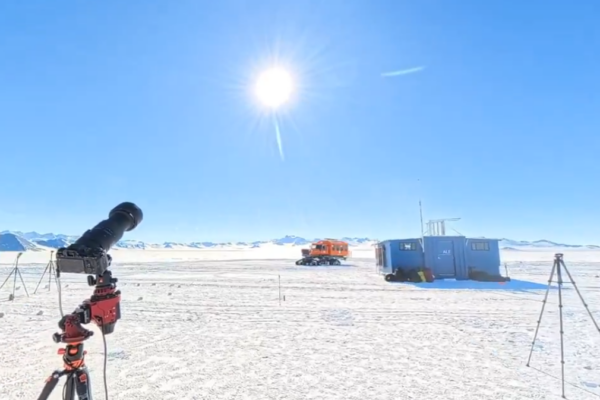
point(12, 242)
point(515, 245)
point(34, 236)
point(39, 241)
point(23, 241)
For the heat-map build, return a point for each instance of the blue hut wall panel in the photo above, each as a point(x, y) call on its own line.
point(408, 253)
point(483, 255)
point(399, 253)
point(450, 257)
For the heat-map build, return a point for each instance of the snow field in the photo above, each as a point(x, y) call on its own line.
point(214, 329)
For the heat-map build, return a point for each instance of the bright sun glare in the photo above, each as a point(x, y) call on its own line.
point(274, 87)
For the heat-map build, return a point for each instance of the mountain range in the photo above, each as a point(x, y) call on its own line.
point(509, 244)
point(33, 241)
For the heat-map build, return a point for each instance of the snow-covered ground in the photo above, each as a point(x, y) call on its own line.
point(208, 325)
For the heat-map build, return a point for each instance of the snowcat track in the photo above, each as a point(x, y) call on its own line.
point(319, 261)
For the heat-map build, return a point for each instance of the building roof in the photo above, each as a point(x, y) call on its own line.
point(449, 237)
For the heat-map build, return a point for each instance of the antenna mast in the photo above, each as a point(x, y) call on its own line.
point(421, 215)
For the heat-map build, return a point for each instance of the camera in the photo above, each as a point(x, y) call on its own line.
point(87, 255)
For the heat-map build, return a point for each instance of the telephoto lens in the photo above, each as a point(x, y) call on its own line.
point(123, 218)
point(88, 253)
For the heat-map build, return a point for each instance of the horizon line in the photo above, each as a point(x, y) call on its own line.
point(365, 238)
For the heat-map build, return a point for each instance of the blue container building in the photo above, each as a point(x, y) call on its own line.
point(448, 257)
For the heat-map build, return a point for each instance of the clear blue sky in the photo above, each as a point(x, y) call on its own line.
point(147, 101)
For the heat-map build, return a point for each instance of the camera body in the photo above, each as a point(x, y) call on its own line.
point(82, 261)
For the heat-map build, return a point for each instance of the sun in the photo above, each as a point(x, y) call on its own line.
point(274, 87)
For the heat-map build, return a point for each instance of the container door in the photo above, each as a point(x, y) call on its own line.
point(445, 266)
point(382, 259)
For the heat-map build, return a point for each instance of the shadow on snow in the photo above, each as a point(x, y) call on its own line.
point(452, 284)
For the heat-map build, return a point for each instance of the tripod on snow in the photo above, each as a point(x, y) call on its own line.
point(557, 268)
point(16, 272)
point(51, 270)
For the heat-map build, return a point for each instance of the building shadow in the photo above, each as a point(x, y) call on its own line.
point(453, 284)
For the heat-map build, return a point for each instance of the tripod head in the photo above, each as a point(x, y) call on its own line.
point(103, 308)
point(88, 255)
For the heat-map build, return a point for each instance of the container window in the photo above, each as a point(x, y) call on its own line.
point(480, 246)
point(410, 246)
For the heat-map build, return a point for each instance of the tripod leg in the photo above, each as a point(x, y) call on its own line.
point(560, 314)
point(51, 383)
point(81, 379)
point(40, 281)
point(537, 328)
point(22, 281)
point(14, 282)
point(7, 278)
point(69, 390)
point(581, 298)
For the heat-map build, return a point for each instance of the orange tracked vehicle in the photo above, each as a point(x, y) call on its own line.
point(325, 252)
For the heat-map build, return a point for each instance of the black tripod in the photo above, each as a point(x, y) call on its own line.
point(51, 270)
point(16, 272)
point(559, 265)
point(78, 383)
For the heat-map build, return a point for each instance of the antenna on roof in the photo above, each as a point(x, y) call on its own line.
point(421, 216)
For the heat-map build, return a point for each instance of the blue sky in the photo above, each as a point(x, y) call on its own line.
point(148, 101)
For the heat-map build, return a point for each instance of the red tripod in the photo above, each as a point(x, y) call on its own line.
point(103, 308)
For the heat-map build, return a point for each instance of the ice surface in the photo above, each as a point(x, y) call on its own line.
point(208, 325)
